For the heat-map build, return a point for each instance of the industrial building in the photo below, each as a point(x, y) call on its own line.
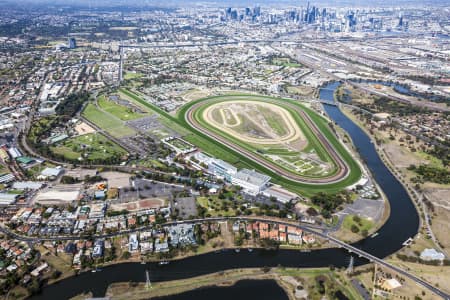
point(7, 199)
point(64, 194)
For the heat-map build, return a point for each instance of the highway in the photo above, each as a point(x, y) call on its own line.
point(308, 229)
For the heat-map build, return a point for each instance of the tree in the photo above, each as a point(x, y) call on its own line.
point(354, 228)
point(126, 255)
point(55, 274)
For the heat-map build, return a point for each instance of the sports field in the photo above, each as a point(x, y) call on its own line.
point(235, 152)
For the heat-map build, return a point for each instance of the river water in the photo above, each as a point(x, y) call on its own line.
point(402, 224)
point(245, 289)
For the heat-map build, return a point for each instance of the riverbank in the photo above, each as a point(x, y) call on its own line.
point(398, 167)
point(398, 171)
point(297, 283)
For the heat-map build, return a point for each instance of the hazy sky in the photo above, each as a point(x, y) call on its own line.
point(239, 3)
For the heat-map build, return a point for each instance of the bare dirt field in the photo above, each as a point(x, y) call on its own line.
point(83, 128)
point(402, 157)
point(116, 179)
point(153, 203)
point(441, 217)
point(408, 290)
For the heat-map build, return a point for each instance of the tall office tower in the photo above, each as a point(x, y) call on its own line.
point(257, 11)
point(228, 12)
point(248, 11)
point(72, 43)
point(307, 13)
point(292, 15)
point(234, 15)
point(400, 20)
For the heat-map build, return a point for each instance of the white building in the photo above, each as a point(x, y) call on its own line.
point(50, 173)
point(252, 182)
point(133, 243)
point(431, 254)
point(222, 169)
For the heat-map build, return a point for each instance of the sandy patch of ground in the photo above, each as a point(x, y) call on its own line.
point(153, 203)
point(83, 128)
point(301, 208)
point(408, 290)
point(439, 197)
point(401, 157)
point(441, 227)
point(116, 179)
point(437, 275)
point(440, 222)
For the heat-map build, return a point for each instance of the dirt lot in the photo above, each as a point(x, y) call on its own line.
point(438, 275)
point(440, 221)
point(140, 205)
point(83, 128)
point(400, 156)
point(116, 179)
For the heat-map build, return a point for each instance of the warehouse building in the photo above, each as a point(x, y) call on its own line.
point(64, 194)
point(7, 199)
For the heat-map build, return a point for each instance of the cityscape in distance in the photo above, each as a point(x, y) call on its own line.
point(224, 149)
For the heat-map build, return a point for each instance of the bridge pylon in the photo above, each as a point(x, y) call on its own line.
point(350, 265)
point(148, 284)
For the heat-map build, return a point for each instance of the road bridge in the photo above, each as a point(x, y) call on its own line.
point(305, 228)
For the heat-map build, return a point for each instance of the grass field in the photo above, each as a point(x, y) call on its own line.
point(119, 111)
point(92, 147)
point(285, 62)
point(288, 278)
point(292, 160)
point(363, 224)
point(105, 121)
point(217, 149)
point(215, 207)
point(131, 75)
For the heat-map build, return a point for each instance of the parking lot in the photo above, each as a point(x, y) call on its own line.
point(144, 188)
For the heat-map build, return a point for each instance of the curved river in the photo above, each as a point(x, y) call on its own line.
point(402, 224)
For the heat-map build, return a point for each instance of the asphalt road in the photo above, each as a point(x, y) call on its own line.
point(308, 229)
